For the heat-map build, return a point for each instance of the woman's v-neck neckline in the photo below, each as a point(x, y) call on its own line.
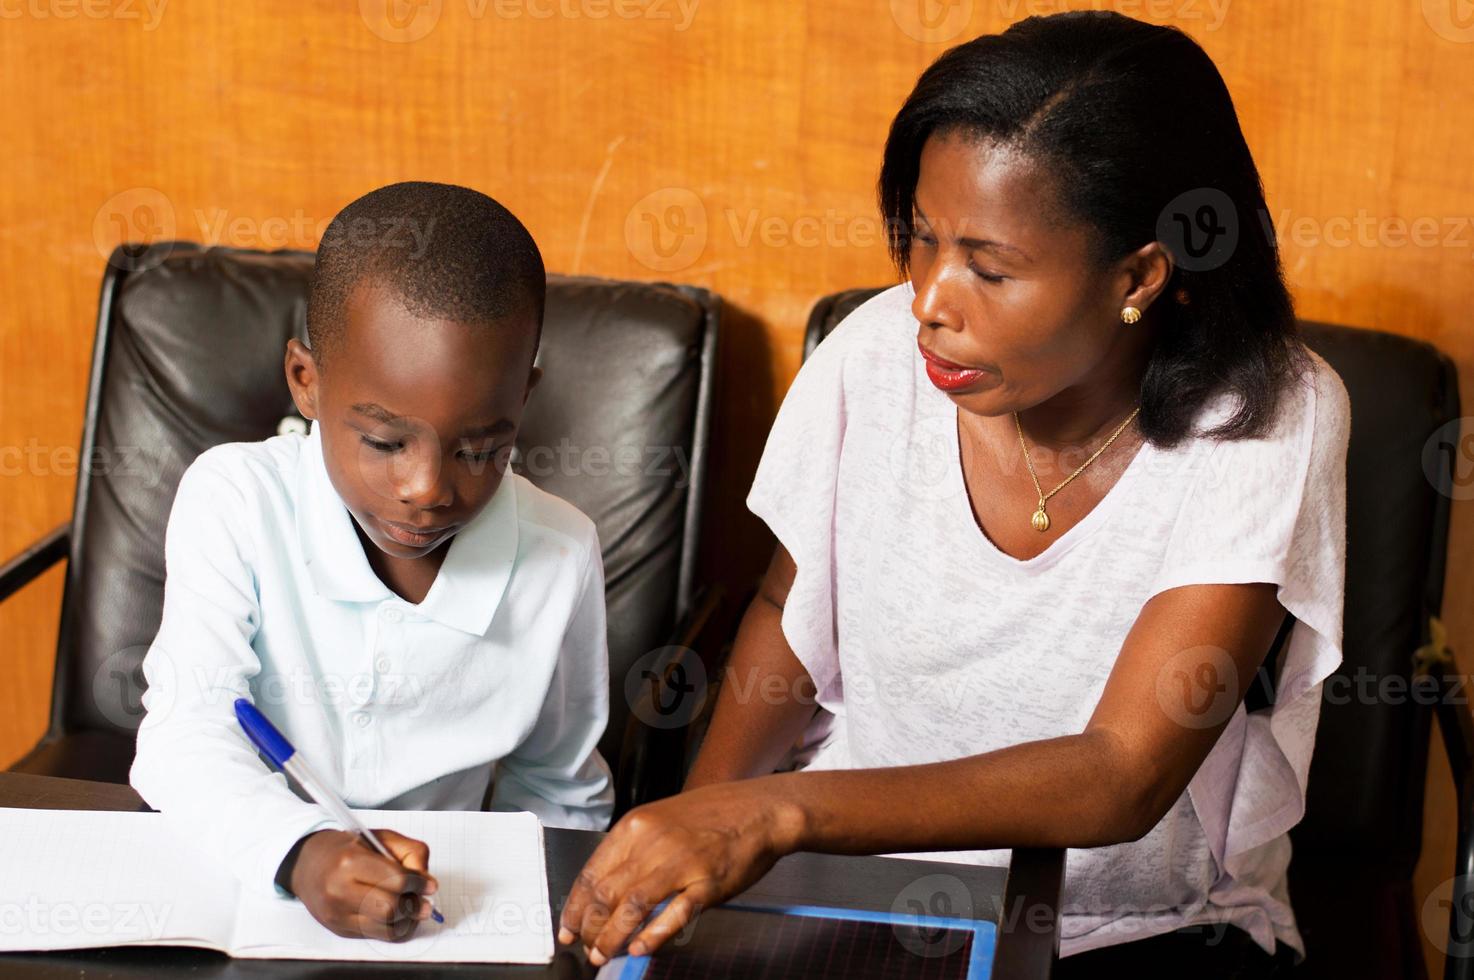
point(1072, 536)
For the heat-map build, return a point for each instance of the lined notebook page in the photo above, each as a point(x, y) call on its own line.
point(72, 879)
point(493, 894)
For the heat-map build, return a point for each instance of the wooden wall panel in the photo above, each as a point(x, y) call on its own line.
point(757, 125)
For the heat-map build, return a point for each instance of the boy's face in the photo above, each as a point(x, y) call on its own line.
point(417, 416)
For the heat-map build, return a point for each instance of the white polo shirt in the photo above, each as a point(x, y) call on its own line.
point(491, 693)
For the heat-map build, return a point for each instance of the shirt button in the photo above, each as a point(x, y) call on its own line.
point(361, 719)
point(393, 615)
point(382, 665)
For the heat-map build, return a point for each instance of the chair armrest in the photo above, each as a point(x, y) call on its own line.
point(1457, 726)
point(652, 755)
point(26, 566)
point(1028, 931)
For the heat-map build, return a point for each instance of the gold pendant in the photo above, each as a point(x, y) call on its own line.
point(1040, 519)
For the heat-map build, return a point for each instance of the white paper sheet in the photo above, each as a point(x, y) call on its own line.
point(79, 878)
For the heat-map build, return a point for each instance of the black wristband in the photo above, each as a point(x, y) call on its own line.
point(288, 865)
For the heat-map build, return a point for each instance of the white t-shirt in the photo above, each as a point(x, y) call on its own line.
point(928, 643)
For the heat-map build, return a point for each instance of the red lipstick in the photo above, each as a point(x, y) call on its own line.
point(949, 376)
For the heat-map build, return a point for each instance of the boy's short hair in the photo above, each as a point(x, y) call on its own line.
point(444, 251)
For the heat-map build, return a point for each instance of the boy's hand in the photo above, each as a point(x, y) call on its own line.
point(357, 892)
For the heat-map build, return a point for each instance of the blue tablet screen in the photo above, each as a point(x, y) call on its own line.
point(810, 943)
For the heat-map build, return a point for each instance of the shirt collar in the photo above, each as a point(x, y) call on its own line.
point(470, 583)
point(478, 566)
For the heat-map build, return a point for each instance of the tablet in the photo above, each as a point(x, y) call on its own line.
point(738, 942)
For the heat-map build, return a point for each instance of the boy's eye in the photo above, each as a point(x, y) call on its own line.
point(481, 455)
point(378, 445)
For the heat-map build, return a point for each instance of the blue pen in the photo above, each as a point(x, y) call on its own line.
point(272, 744)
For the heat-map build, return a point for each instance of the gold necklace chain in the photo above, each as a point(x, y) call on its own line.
point(1040, 520)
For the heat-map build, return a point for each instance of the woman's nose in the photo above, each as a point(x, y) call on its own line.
point(933, 306)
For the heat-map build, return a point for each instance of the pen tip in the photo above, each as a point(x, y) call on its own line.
point(435, 914)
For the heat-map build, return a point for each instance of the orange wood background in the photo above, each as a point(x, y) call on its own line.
point(748, 135)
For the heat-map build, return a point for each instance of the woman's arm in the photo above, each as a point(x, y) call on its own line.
point(1181, 673)
point(766, 698)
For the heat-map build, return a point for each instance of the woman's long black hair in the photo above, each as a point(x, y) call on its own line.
point(1138, 129)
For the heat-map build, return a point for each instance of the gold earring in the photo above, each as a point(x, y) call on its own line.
point(1130, 315)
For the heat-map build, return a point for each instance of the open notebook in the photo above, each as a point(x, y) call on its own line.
point(78, 878)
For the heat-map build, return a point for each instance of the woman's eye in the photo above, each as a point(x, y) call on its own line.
point(925, 240)
point(380, 446)
point(986, 276)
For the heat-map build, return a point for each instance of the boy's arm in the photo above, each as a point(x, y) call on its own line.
point(193, 763)
point(557, 771)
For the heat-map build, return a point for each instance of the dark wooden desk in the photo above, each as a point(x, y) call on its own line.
point(1026, 937)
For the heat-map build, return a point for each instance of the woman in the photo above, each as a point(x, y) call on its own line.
point(1041, 511)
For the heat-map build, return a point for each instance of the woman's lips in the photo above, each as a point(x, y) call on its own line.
point(949, 376)
point(407, 535)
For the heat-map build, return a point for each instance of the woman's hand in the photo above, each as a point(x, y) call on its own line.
point(356, 891)
point(697, 849)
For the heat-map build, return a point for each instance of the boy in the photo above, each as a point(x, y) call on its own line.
point(424, 627)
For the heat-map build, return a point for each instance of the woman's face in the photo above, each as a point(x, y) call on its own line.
point(1013, 310)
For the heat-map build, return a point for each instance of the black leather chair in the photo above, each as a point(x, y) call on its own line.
point(189, 354)
point(1354, 853)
